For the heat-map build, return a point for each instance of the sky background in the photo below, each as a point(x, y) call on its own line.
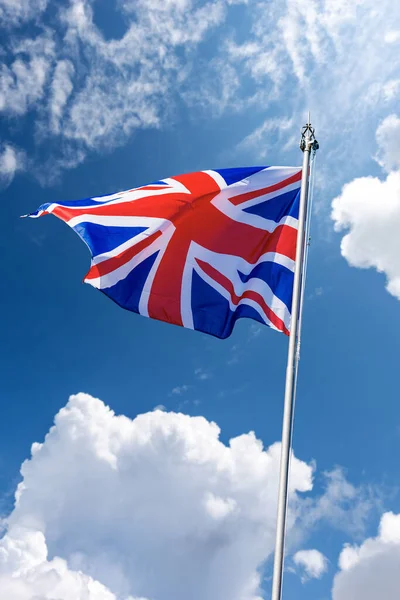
point(98, 96)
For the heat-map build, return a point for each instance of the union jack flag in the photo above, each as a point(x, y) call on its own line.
point(198, 250)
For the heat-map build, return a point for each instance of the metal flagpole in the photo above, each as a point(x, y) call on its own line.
point(308, 144)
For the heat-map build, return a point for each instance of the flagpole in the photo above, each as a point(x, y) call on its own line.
point(308, 144)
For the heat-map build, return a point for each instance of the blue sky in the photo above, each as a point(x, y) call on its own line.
point(98, 96)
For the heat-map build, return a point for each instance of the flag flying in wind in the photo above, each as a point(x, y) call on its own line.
point(198, 250)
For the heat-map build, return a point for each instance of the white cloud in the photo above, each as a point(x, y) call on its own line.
point(22, 83)
point(111, 508)
point(219, 508)
point(108, 501)
point(100, 91)
point(180, 389)
point(369, 208)
point(388, 139)
point(255, 331)
point(304, 54)
point(217, 88)
point(26, 572)
point(275, 129)
point(310, 28)
point(313, 562)
point(11, 161)
point(391, 89)
point(61, 88)
point(202, 374)
point(392, 36)
point(132, 80)
point(14, 12)
point(371, 570)
point(342, 506)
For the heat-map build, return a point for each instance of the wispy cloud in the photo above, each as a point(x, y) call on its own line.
point(315, 47)
point(99, 91)
point(91, 93)
point(180, 389)
point(316, 293)
point(202, 374)
point(234, 353)
point(254, 331)
point(61, 89)
point(23, 80)
point(15, 12)
point(275, 129)
point(342, 505)
point(11, 161)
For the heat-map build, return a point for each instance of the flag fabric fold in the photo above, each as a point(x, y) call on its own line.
point(198, 250)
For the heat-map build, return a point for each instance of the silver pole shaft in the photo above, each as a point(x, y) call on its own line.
point(290, 382)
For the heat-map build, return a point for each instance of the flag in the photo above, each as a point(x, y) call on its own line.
point(198, 250)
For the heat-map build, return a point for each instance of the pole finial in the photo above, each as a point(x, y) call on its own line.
point(308, 140)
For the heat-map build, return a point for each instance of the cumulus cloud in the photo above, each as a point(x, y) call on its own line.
point(111, 508)
point(369, 208)
point(371, 570)
point(391, 37)
point(313, 563)
point(155, 507)
point(26, 572)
